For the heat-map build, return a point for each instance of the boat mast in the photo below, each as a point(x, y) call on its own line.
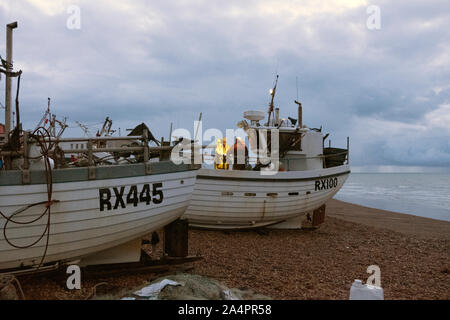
point(300, 117)
point(106, 128)
point(9, 67)
point(272, 93)
point(46, 117)
point(300, 111)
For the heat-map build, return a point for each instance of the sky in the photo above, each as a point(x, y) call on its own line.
point(381, 79)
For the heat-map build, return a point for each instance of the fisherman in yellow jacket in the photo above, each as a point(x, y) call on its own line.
point(220, 158)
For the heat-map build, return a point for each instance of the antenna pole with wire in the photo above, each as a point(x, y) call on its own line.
point(271, 106)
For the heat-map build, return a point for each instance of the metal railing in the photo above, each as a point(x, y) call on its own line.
point(90, 150)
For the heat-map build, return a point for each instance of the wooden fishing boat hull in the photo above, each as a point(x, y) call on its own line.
point(246, 199)
point(121, 204)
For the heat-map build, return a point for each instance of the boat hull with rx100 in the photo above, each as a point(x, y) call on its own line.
point(293, 195)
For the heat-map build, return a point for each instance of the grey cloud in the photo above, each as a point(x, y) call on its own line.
point(168, 61)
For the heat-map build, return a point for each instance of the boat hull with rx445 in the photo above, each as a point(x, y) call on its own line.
point(53, 211)
point(85, 216)
point(289, 192)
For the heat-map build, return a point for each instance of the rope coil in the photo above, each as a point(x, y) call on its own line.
point(39, 135)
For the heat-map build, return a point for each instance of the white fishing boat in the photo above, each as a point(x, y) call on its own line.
point(85, 216)
point(54, 212)
point(292, 197)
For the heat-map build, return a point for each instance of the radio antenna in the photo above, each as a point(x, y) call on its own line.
point(271, 106)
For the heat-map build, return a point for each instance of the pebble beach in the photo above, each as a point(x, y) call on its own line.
point(413, 254)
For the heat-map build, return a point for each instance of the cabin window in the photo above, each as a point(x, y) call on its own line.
point(250, 194)
point(293, 193)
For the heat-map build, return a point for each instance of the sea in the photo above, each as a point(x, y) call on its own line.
point(421, 194)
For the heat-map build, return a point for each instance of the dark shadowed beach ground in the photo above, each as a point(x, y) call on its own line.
point(413, 254)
